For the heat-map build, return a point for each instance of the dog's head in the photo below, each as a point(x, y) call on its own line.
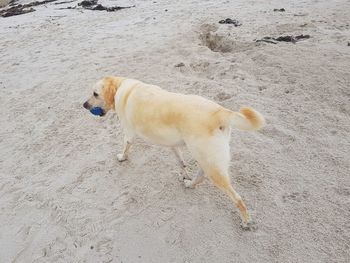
point(102, 99)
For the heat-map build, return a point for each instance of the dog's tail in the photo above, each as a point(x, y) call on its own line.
point(246, 119)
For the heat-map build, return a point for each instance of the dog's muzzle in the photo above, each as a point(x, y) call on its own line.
point(86, 105)
point(98, 111)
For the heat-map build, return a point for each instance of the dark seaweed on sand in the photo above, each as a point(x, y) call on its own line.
point(86, 4)
point(230, 21)
point(22, 9)
point(93, 5)
point(279, 10)
point(291, 39)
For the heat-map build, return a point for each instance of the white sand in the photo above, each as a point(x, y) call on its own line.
point(65, 198)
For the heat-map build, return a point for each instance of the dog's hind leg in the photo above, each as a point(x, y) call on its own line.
point(181, 162)
point(196, 180)
point(221, 180)
point(213, 156)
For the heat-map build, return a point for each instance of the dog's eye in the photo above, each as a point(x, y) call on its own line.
point(95, 94)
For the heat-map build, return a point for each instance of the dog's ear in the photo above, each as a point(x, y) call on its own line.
point(109, 90)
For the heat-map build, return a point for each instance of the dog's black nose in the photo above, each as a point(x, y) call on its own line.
point(86, 105)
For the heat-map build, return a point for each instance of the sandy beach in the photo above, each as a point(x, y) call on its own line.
point(64, 197)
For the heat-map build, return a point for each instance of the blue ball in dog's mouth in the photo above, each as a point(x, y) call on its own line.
point(97, 111)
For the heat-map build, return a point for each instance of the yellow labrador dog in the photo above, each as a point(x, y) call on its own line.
point(173, 119)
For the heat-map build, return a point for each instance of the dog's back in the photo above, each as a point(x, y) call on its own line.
point(167, 117)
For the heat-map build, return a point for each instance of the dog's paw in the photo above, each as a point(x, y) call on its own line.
point(121, 157)
point(188, 183)
point(181, 178)
point(249, 226)
point(186, 176)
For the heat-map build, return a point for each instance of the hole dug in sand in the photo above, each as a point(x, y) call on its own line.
point(215, 42)
point(220, 41)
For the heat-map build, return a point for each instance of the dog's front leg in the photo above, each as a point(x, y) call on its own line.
point(181, 161)
point(124, 155)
